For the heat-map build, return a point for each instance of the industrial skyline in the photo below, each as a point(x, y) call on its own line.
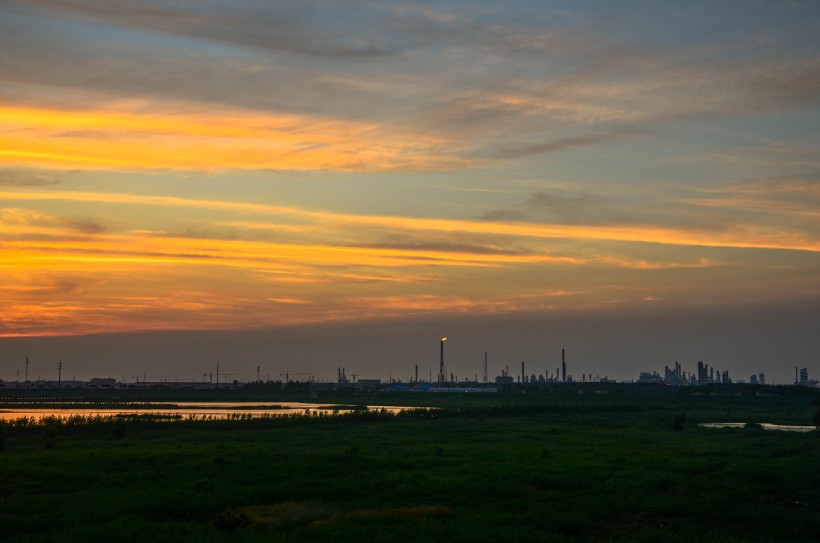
point(306, 186)
point(539, 370)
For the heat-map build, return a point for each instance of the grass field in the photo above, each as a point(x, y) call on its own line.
point(524, 467)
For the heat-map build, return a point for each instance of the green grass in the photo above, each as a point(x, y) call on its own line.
point(538, 467)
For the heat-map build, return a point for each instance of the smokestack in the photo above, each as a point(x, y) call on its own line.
point(523, 375)
point(442, 376)
point(563, 368)
point(417, 373)
point(485, 368)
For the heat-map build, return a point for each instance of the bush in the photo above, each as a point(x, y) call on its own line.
point(49, 436)
point(120, 429)
point(678, 422)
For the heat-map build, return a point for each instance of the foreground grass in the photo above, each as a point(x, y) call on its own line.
point(567, 469)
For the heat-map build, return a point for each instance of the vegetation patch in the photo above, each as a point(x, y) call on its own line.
point(276, 517)
point(391, 514)
point(506, 467)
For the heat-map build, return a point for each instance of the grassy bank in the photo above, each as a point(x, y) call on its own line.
point(540, 468)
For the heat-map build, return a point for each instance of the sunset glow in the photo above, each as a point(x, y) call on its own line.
point(349, 163)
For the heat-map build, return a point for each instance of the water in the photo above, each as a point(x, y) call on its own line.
point(217, 410)
point(764, 425)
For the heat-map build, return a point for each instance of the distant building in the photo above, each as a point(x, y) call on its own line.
point(703, 373)
point(102, 382)
point(646, 377)
point(368, 384)
point(804, 380)
point(673, 376)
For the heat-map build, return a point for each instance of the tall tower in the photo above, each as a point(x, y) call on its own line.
point(563, 368)
point(442, 377)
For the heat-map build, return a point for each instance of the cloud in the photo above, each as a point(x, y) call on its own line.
point(15, 179)
point(451, 247)
point(216, 139)
point(741, 235)
point(461, 88)
point(786, 84)
point(21, 216)
point(267, 26)
point(524, 150)
point(565, 206)
point(792, 202)
point(43, 225)
point(85, 226)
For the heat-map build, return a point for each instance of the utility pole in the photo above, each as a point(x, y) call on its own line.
point(60, 374)
point(257, 374)
point(485, 367)
point(217, 373)
point(26, 369)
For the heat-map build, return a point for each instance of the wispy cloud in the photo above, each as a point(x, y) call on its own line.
point(564, 144)
point(740, 236)
point(270, 26)
point(208, 141)
point(15, 179)
point(529, 83)
point(338, 160)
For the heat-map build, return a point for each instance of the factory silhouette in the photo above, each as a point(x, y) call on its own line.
point(444, 381)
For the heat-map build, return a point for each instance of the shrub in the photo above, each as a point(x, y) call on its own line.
point(120, 429)
point(49, 436)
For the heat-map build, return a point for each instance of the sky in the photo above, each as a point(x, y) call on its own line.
point(304, 185)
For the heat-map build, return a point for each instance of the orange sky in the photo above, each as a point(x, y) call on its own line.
point(168, 172)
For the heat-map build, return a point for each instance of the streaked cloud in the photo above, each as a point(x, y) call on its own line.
point(741, 236)
point(239, 164)
point(15, 179)
point(279, 86)
point(207, 141)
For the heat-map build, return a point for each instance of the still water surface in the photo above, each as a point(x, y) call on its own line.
point(221, 410)
point(764, 425)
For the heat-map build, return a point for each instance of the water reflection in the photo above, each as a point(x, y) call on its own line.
point(220, 410)
point(763, 425)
